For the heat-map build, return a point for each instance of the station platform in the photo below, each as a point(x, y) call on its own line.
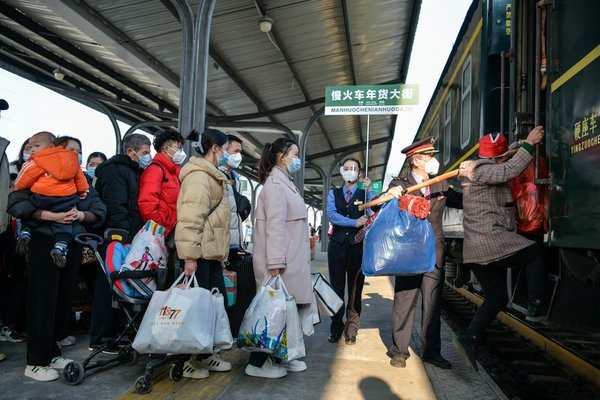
point(335, 371)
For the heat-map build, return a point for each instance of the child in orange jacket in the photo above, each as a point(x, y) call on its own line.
point(57, 183)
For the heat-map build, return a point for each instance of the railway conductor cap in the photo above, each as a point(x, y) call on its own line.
point(424, 146)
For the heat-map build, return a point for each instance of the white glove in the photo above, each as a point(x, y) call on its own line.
point(396, 191)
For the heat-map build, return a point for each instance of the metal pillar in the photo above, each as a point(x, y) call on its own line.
point(186, 18)
point(200, 63)
point(303, 142)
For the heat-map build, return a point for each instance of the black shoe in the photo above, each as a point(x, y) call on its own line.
point(398, 361)
point(536, 311)
point(350, 340)
point(466, 348)
point(334, 338)
point(438, 361)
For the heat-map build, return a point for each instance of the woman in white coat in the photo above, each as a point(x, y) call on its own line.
point(281, 240)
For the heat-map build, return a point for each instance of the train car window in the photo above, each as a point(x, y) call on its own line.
point(447, 128)
point(465, 105)
point(434, 131)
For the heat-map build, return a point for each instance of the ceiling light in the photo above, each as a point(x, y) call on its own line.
point(265, 23)
point(59, 74)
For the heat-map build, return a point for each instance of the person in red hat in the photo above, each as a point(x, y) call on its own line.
point(423, 164)
point(491, 242)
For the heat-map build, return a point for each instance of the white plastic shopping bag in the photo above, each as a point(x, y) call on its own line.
point(292, 345)
point(309, 316)
point(327, 299)
point(223, 337)
point(178, 321)
point(147, 252)
point(263, 325)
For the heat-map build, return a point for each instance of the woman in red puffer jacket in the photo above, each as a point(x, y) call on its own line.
point(159, 184)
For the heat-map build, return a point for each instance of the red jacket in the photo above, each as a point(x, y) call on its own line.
point(52, 172)
point(159, 189)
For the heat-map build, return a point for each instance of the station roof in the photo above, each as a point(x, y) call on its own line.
point(127, 56)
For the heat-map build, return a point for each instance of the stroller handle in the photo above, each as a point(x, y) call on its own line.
point(88, 239)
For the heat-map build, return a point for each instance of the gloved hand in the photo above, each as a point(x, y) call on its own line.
point(396, 191)
point(361, 221)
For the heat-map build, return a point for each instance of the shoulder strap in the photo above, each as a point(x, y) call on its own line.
point(159, 166)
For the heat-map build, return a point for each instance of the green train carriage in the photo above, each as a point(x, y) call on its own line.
point(516, 64)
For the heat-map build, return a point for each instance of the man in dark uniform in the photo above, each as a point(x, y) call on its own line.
point(421, 158)
point(344, 255)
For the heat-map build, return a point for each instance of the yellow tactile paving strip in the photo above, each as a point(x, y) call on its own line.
point(196, 389)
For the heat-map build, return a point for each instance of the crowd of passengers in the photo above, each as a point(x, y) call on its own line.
point(52, 199)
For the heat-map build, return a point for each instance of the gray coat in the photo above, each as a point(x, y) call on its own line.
point(489, 214)
point(281, 236)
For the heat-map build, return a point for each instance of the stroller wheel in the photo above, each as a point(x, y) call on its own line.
point(176, 372)
point(73, 373)
point(127, 355)
point(143, 385)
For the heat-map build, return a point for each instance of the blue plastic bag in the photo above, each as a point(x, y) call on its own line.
point(398, 243)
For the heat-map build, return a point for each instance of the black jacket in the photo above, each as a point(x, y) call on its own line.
point(118, 182)
point(20, 206)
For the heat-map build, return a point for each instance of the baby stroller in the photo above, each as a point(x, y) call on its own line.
point(133, 308)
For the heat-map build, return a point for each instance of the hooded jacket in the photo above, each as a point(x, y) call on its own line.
point(159, 189)
point(203, 212)
point(118, 183)
point(52, 172)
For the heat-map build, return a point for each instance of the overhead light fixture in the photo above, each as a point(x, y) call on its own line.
point(59, 74)
point(265, 23)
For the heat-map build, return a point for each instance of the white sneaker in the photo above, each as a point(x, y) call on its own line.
point(268, 370)
point(59, 362)
point(68, 341)
point(189, 371)
point(294, 365)
point(2, 356)
point(42, 374)
point(215, 363)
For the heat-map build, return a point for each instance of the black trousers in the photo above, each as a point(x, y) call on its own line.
point(345, 261)
point(493, 281)
point(62, 232)
point(210, 275)
point(106, 321)
point(406, 295)
point(49, 298)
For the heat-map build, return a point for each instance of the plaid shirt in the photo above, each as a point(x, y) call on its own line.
point(489, 214)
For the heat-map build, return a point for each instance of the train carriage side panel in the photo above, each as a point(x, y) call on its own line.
point(573, 111)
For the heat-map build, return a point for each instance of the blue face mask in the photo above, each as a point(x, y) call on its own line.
point(294, 166)
point(79, 158)
point(221, 161)
point(144, 161)
point(26, 156)
point(91, 172)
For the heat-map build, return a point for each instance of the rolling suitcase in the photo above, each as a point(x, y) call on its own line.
point(241, 263)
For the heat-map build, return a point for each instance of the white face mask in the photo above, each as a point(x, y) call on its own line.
point(179, 157)
point(432, 166)
point(234, 160)
point(349, 176)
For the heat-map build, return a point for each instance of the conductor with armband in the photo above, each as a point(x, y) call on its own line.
point(421, 157)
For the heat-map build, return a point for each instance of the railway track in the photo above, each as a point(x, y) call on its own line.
point(530, 362)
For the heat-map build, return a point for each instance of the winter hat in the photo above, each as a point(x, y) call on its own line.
point(492, 145)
